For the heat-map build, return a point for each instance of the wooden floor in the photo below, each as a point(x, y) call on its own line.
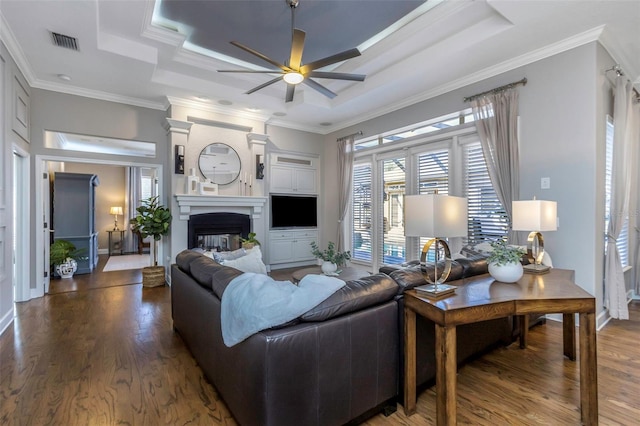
point(97, 279)
point(107, 356)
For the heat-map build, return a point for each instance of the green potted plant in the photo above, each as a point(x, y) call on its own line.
point(331, 257)
point(505, 262)
point(153, 220)
point(250, 242)
point(63, 256)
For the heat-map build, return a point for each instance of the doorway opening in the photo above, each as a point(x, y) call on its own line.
point(104, 220)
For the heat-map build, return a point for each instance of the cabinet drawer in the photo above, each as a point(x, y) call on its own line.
point(282, 235)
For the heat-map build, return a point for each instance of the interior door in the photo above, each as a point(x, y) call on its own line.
point(47, 232)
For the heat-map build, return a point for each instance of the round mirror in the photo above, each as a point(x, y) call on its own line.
point(219, 163)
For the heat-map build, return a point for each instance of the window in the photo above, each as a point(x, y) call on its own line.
point(433, 175)
point(623, 239)
point(448, 159)
point(393, 240)
point(487, 217)
point(361, 218)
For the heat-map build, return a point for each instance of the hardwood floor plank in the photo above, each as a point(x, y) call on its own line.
point(108, 356)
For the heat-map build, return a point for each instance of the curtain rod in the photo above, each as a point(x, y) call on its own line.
point(497, 89)
point(619, 73)
point(358, 133)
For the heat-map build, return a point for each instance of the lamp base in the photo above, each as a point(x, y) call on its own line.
point(536, 269)
point(433, 290)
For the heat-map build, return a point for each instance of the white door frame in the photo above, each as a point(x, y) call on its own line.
point(42, 210)
point(21, 209)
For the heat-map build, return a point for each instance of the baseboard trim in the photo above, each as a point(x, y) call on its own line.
point(6, 321)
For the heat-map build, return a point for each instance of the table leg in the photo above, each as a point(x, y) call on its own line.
point(446, 370)
point(523, 322)
point(588, 370)
point(569, 335)
point(409, 361)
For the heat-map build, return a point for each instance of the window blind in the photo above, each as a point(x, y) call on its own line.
point(487, 217)
point(361, 213)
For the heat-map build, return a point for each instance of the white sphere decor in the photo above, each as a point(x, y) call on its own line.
point(508, 273)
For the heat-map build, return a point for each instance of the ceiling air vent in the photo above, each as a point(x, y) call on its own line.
point(64, 41)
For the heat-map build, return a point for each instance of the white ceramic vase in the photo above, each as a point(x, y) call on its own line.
point(329, 268)
point(509, 273)
point(67, 268)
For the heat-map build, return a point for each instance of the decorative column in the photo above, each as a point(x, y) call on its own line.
point(257, 143)
point(178, 132)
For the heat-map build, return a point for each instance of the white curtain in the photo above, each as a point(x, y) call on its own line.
point(623, 122)
point(496, 118)
point(133, 194)
point(345, 176)
point(634, 218)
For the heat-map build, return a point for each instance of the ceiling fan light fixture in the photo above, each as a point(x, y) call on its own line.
point(293, 77)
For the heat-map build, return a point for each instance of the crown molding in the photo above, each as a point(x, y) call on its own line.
point(15, 51)
point(218, 109)
point(517, 62)
point(96, 94)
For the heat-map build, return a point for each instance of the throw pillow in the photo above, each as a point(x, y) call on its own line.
point(251, 262)
point(221, 256)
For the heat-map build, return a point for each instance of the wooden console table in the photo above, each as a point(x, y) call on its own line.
point(482, 298)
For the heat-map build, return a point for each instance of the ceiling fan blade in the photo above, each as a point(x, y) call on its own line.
point(262, 86)
point(297, 46)
point(291, 88)
point(319, 87)
point(254, 71)
point(261, 56)
point(337, 75)
point(338, 57)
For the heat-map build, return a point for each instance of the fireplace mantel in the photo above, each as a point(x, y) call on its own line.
point(195, 204)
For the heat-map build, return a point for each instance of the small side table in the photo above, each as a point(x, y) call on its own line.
point(119, 242)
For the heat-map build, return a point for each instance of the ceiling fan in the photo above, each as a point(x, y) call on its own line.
point(293, 72)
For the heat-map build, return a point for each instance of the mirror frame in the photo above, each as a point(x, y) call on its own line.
point(211, 176)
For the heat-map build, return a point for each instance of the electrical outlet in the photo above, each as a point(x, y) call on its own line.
point(545, 183)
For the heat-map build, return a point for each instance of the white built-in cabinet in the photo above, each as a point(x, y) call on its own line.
point(289, 246)
point(293, 174)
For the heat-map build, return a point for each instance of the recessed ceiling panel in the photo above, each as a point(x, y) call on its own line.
point(331, 26)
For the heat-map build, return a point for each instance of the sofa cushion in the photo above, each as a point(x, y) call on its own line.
point(184, 259)
point(412, 276)
point(221, 278)
point(473, 265)
point(202, 269)
point(354, 296)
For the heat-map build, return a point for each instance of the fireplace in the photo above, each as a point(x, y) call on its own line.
point(218, 231)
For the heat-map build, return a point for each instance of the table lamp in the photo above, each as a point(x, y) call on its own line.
point(535, 216)
point(116, 211)
point(436, 216)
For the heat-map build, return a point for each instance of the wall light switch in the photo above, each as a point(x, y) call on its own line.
point(545, 183)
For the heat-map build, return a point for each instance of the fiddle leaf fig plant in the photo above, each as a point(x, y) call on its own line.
point(153, 220)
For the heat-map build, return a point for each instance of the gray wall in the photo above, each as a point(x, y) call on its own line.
point(75, 114)
point(562, 112)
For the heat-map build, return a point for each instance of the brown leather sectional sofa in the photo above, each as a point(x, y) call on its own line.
point(338, 363)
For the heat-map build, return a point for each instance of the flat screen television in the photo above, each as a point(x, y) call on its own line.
point(294, 211)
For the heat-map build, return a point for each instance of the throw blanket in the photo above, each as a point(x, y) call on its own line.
point(253, 302)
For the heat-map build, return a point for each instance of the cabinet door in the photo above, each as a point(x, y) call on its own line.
point(281, 251)
point(302, 248)
point(281, 179)
point(305, 181)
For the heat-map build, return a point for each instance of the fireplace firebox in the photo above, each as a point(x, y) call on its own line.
point(218, 231)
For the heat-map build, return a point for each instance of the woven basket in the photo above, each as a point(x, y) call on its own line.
point(153, 276)
point(248, 246)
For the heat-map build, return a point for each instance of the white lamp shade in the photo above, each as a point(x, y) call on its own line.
point(534, 215)
point(434, 215)
point(116, 210)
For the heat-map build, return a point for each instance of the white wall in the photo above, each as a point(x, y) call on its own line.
point(562, 137)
